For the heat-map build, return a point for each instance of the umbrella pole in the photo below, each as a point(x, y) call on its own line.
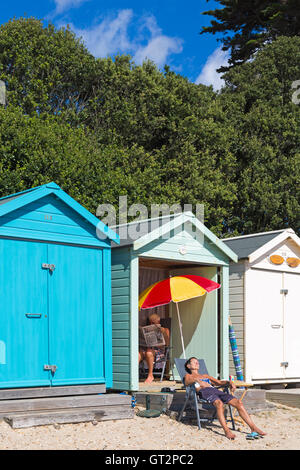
point(180, 328)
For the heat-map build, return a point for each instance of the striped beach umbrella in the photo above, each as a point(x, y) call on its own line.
point(235, 352)
point(176, 289)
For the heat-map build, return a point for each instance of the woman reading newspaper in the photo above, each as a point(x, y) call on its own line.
point(153, 340)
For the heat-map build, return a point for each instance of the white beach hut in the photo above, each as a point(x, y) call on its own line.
point(264, 305)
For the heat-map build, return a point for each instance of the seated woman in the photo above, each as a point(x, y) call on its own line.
point(149, 353)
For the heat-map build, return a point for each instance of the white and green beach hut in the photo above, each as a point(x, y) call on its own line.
point(154, 249)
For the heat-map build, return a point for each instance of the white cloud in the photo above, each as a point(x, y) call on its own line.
point(111, 36)
point(158, 50)
point(159, 47)
point(63, 5)
point(209, 74)
point(108, 37)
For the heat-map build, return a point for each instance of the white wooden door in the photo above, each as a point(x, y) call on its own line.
point(264, 325)
point(292, 325)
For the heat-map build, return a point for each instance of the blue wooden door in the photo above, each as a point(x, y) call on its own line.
point(23, 314)
point(76, 315)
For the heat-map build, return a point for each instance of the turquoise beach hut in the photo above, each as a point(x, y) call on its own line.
point(55, 291)
point(152, 250)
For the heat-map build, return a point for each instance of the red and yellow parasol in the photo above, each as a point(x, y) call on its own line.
point(176, 289)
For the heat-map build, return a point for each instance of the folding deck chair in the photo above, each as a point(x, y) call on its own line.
point(195, 401)
point(159, 365)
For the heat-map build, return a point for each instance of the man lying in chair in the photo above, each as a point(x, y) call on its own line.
point(205, 386)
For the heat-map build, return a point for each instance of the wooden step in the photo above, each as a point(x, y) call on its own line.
point(39, 392)
point(78, 415)
point(56, 403)
point(254, 400)
point(287, 397)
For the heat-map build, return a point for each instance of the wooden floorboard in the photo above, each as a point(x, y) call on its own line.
point(40, 392)
point(54, 403)
point(254, 400)
point(288, 397)
point(79, 415)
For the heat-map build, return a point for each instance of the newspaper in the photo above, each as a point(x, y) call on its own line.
point(151, 336)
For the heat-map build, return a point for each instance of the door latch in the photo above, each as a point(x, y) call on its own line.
point(51, 267)
point(284, 364)
point(50, 367)
point(284, 291)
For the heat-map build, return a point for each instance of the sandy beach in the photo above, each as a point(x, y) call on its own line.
point(282, 425)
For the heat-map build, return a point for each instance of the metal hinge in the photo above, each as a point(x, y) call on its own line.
point(50, 367)
point(51, 267)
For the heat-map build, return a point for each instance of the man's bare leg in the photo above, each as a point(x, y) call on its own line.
point(141, 356)
point(245, 417)
point(221, 417)
point(150, 356)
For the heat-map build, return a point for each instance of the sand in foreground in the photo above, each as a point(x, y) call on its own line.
point(282, 425)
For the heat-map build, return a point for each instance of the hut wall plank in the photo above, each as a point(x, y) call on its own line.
point(236, 311)
point(196, 247)
point(120, 278)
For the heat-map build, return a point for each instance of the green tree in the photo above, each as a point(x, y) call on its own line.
point(258, 100)
point(151, 135)
point(45, 69)
point(34, 151)
point(134, 104)
point(246, 25)
point(176, 123)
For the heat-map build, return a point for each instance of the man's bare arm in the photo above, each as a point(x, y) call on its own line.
point(217, 382)
point(192, 378)
point(166, 333)
point(214, 381)
point(189, 379)
point(224, 383)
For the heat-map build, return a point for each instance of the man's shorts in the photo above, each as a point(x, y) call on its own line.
point(212, 394)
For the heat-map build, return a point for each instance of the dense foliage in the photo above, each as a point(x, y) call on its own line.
point(246, 25)
point(258, 99)
point(102, 128)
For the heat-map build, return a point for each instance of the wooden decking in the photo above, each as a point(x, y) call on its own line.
point(39, 392)
point(287, 397)
point(171, 403)
point(156, 385)
point(40, 406)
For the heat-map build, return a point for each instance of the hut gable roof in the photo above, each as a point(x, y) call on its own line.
point(13, 202)
point(251, 247)
point(152, 229)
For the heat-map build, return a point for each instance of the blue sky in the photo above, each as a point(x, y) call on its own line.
point(166, 31)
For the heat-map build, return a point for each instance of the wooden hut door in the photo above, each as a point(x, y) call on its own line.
point(76, 345)
point(291, 326)
point(51, 322)
point(264, 325)
point(23, 319)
